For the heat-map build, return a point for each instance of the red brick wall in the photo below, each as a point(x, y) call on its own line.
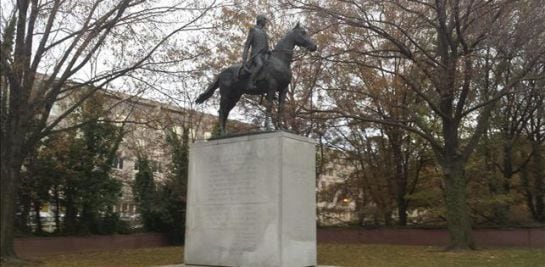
point(533, 237)
point(37, 246)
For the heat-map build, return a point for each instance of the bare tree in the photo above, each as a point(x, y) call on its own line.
point(505, 144)
point(47, 45)
point(533, 175)
point(443, 43)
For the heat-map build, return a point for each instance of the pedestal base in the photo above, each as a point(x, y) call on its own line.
point(251, 202)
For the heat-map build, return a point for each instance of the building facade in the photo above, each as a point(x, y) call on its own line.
point(146, 122)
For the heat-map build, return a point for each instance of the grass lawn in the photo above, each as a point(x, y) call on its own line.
point(421, 256)
point(328, 254)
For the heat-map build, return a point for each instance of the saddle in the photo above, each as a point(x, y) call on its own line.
point(243, 73)
point(246, 70)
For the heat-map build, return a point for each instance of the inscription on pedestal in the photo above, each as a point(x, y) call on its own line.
point(243, 222)
point(223, 186)
point(244, 196)
point(229, 204)
point(229, 178)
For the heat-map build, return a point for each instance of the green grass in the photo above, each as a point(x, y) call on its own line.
point(389, 255)
point(328, 254)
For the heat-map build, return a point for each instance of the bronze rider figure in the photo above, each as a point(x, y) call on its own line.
point(259, 42)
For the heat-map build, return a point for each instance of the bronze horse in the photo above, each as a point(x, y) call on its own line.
point(274, 77)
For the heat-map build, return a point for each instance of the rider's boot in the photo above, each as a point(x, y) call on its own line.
point(252, 83)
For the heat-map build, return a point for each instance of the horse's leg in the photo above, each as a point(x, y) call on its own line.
point(223, 112)
point(270, 96)
point(268, 112)
point(281, 100)
point(227, 103)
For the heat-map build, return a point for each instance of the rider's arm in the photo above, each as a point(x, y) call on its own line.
point(247, 45)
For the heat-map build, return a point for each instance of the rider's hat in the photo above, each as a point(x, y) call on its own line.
point(260, 18)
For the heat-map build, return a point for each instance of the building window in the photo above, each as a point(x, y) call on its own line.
point(178, 130)
point(117, 163)
point(156, 166)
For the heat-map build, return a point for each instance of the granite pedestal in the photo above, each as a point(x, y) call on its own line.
point(251, 202)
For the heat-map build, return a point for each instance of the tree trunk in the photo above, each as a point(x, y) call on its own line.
point(533, 184)
point(525, 181)
point(57, 209)
point(459, 221)
point(395, 139)
point(495, 182)
point(538, 172)
point(88, 220)
point(37, 207)
point(11, 160)
point(8, 189)
point(24, 206)
point(387, 218)
point(71, 213)
point(501, 210)
point(402, 212)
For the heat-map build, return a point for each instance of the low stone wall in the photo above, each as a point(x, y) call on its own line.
point(531, 237)
point(39, 246)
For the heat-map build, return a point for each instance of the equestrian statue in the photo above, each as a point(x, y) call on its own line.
point(264, 73)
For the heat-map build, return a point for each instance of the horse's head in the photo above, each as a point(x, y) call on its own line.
point(301, 38)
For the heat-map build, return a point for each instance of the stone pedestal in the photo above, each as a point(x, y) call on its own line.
point(251, 202)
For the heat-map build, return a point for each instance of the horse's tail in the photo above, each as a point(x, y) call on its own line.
point(209, 91)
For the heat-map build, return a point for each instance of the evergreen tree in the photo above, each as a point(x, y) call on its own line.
point(73, 169)
point(172, 195)
point(99, 190)
point(145, 194)
point(90, 190)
